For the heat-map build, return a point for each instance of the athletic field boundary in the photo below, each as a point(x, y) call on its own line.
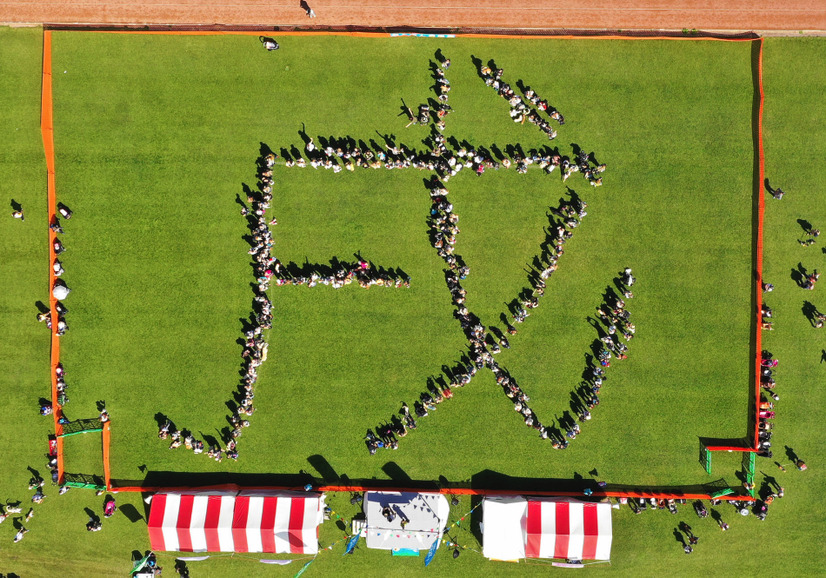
point(47, 131)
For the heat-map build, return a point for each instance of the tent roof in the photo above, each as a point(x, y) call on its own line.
point(277, 522)
point(426, 513)
point(519, 527)
point(504, 528)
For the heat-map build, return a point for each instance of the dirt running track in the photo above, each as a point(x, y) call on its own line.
point(742, 15)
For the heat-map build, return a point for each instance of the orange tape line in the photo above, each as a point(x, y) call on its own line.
point(388, 35)
point(107, 476)
point(761, 205)
point(47, 132)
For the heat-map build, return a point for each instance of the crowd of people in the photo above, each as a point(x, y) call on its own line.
point(522, 109)
point(485, 342)
point(447, 161)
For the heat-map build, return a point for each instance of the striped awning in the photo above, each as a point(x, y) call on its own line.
point(516, 527)
point(570, 530)
point(271, 522)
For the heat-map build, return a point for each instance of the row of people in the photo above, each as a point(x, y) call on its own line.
point(59, 291)
point(520, 110)
point(339, 274)
point(557, 235)
point(255, 346)
point(615, 332)
point(448, 162)
point(765, 405)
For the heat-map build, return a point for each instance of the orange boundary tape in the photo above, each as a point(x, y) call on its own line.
point(107, 474)
point(761, 205)
point(47, 132)
point(758, 264)
point(446, 491)
point(390, 35)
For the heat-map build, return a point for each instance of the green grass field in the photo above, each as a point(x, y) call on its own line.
point(155, 137)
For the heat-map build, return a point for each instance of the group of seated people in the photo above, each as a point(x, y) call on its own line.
point(639, 505)
point(339, 274)
point(185, 438)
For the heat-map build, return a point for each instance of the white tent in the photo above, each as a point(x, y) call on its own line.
point(425, 515)
point(503, 523)
point(516, 527)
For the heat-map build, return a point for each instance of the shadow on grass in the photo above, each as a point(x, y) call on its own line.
point(748, 440)
point(486, 480)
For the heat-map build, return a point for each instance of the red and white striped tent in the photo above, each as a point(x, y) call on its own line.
point(517, 527)
point(274, 522)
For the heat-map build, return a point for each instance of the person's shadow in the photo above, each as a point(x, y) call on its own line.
point(94, 517)
point(790, 453)
point(799, 275)
point(715, 515)
point(805, 225)
point(15, 206)
point(679, 537)
point(810, 311)
point(823, 356)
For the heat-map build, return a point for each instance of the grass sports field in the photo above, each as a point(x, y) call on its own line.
point(156, 135)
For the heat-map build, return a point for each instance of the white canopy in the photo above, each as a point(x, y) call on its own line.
point(425, 514)
point(503, 536)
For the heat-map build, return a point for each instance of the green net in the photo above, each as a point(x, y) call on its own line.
point(81, 426)
point(88, 481)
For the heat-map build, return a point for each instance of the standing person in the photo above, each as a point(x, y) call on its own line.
point(19, 214)
point(20, 534)
point(310, 12)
